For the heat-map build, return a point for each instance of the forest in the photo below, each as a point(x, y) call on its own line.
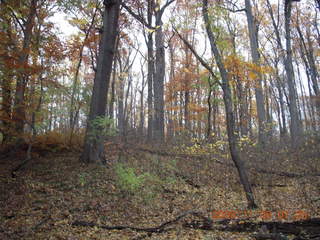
point(160, 119)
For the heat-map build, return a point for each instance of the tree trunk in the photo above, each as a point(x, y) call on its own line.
point(295, 126)
point(112, 98)
point(75, 85)
point(229, 111)
point(94, 139)
point(307, 55)
point(19, 108)
point(150, 73)
point(253, 35)
point(208, 133)
point(158, 83)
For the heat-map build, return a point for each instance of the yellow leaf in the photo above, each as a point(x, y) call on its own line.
point(150, 30)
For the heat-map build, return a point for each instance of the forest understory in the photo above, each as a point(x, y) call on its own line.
point(159, 119)
point(189, 192)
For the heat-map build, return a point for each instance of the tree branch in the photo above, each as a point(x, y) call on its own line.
point(157, 229)
point(164, 7)
point(137, 16)
point(200, 59)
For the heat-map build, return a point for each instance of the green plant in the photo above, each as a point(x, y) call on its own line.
point(102, 127)
point(127, 180)
point(171, 180)
point(83, 179)
point(144, 187)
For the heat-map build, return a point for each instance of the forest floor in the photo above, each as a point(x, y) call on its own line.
point(154, 194)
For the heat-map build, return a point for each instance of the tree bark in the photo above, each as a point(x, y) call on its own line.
point(112, 98)
point(19, 104)
point(158, 83)
point(253, 35)
point(234, 151)
point(93, 146)
point(295, 126)
point(150, 73)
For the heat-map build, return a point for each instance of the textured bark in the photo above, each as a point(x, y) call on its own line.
point(141, 91)
point(243, 108)
point(158, 83)
point(121, 106)
point(93, 146)
point(284, 131)
point(112, 98)
point(253, 35)
point(234, 151)
point(150, 73)
point(208, 133)
point(295, 125)
point(187, 82)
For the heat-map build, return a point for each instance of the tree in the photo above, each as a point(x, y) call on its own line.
point(253, 36)
point(18, 114)
point(74, 110)
point(227, 97)
point(150, 76)
point(94, 139)
point(295, 126)
point(158, 82)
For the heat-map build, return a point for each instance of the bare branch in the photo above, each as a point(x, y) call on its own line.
point(200, 59)
point(137, 16)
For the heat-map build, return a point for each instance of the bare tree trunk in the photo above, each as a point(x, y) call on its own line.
point(210, 86)
point(121, 106)
point(253, 35)
point(94, 139)
point(112, 98)
point(229, 111)
point(141, 91)
point(295, 126)
point(158, 82)
point(150, 75)
point(125, 111)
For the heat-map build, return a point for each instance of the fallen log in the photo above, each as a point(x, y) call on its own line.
point(157, 229)
point(303, 229)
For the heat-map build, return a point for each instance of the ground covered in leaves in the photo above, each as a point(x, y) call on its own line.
point(144, 188)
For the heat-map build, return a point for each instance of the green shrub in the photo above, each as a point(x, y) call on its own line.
point(101, 126)
point(83, 179)
point(127, 180)
point(144, 187)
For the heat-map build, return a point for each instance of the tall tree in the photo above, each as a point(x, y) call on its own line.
point(150, 76)
point(227, 97)
point(253, 36)
point(94, 139)
point(295, 125)
point(22, 77)
point(73, 109)
point(158, 81)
